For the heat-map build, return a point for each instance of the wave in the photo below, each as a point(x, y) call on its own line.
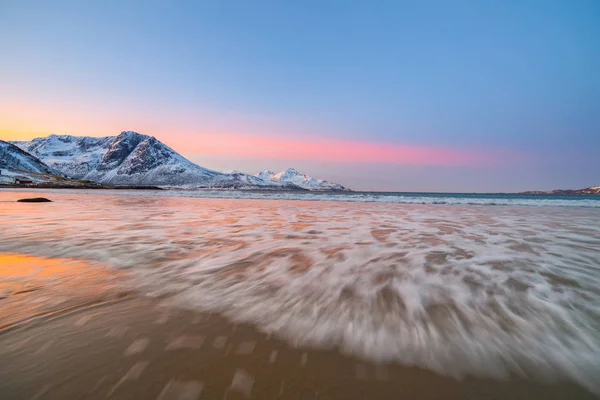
point(488, 200)
point(457, 199)
point(469, 291)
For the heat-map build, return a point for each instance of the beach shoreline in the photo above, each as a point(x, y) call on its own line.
point(361, 298)
point(130, 346)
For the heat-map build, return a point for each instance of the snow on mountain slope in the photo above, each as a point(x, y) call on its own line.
point(294, 177)
point(13, 157)
point(133, 159)
point(74, 156)
point(138, 159)
point(266, 175)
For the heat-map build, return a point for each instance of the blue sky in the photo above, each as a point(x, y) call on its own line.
point(512, 81)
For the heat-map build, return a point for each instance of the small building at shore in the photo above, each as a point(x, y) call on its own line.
point(21, 180)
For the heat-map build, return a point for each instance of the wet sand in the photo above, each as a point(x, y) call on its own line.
point(81, 335)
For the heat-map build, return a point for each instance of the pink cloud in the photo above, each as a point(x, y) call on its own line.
point(336, 150)
point(225, 138)
point(229, 135)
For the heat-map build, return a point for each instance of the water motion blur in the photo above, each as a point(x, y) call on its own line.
point(296, 200)
point(498, 299)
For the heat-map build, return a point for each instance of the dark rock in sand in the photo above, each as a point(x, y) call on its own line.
point(35, 200)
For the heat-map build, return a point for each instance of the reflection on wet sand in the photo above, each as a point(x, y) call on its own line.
point(508, 293)
point(34, 288)
point(142, 348)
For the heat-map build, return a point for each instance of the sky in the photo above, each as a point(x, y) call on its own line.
point(420, 95)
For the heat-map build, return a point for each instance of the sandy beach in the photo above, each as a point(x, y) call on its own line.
point(133, 295)
point(81, 335)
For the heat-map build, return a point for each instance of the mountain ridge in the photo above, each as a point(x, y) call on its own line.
point(584, 191)
point(291, 175)
point(14, 158)
point(131, 158)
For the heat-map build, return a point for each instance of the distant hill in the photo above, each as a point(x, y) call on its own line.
point(292, 176)
point(589, 190)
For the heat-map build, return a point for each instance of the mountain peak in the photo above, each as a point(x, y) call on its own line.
point(61, 138)
point(120, 149)
point(294, 177)
point(130, 134)
point(266, 175)
point(133, 158)
point(131, 137)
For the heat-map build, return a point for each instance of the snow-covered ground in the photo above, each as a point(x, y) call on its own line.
point(7, 177)
point(74, 156)
point(460, 290)
point(13, 157)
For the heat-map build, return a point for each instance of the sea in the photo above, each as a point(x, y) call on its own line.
point(464, 285)
point(483, 199)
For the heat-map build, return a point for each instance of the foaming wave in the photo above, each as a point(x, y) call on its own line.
point(462, 290)
point(399, 198)
point(451, 199)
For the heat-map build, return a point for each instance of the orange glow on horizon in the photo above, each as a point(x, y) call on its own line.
point(309, 149)
point(229, 136)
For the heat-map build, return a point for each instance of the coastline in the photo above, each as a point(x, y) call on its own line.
point(436, 199)
point(138, 347)
point(82, 186)
point(91, 185)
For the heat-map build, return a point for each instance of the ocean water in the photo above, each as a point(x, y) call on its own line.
point(484, 199)
point(463, 285)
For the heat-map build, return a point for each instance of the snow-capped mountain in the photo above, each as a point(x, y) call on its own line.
point(266, 175)
point(294, 177)
point(74, 156)
point(14, 158)
point(133, 159)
